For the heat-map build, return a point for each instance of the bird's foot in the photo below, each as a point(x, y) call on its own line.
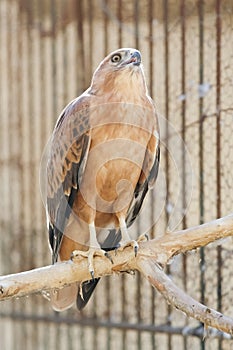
point(89, 254)
point(132, 243)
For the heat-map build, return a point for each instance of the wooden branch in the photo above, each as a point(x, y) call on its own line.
point(182, 301)
point(151, 255)
point(171, 244)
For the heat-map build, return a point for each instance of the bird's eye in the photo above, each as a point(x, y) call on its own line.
point(116, 58)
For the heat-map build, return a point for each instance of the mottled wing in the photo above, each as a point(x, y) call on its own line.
point(67, 159)
point(146, 180)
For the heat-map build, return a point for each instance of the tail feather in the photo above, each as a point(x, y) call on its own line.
point(88, 287)
point(64, 298)
point(85, 292)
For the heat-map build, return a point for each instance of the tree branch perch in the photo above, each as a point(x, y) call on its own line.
point(151, 257)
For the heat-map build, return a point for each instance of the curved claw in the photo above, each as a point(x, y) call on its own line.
point(133, 244)
point(109, 257)
point(135, 250)
point(89, 254)
point(143, 238)
point(92, 275)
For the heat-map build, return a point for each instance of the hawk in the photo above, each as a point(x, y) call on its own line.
point(103, 159)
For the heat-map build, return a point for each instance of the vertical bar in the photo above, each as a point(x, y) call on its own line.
point(183, 111)
point(123, 313)
point(78, 5)
point(54, 63)
point(218, 149)
point(151, 46)
point(80, 48)
point(52, 14)
point(138, 305)
point(32, 131)
point(120, 10)
point(124, 344)
point(201, 76)
point(45, 329)
point(218, 104)
point(65, 52)
point(136, 19)
point(138, 295)
point(90, 21)
point(108, 303)
point(82, 338)
point(107, 280)
point(95, 331)
point(201, 144)
point(119, 15)
point(2, 146)
point(166, 43)
point(90, 4)
point(123, 279)
point(183, 103)
point(38, 140)
point(10, 171)
point(152, 197)
point(106, 22)
point(24, 242)
point(64, 18)
point(21, 138)
point(33, 99)
point(9, 131)
point(183, 134)
point(5, 104)
point(44, 122)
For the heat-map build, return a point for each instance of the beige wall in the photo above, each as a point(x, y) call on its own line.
point(43, 65)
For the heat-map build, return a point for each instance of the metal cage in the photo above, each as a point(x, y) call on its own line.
point(49, 50)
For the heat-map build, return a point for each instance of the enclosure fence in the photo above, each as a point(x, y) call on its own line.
point(49, 50)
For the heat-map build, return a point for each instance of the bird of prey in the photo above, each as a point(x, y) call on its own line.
point(103, 159)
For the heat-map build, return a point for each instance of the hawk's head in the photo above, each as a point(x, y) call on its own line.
point(120, 73)
point(123, 58)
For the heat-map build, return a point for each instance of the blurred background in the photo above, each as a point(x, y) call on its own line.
point(49, 50)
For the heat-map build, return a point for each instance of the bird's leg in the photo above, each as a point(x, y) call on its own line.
point(94, 249)
point(126, 240)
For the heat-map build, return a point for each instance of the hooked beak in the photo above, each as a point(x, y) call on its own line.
point(135, 59)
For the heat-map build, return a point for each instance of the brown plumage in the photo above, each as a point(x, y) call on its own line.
point(103, 158)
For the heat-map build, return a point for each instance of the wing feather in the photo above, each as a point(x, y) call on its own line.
point(146, 180)
point(65, 167)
